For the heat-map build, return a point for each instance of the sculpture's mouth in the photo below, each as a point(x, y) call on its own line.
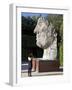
point(36, 38)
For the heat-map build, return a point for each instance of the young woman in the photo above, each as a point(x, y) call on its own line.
point(29, 64)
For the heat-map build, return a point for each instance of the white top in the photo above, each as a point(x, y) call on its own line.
point(29, 58)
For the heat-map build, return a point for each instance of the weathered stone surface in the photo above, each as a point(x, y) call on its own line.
point(46, 38)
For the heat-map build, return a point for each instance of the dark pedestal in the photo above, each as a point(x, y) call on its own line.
point(47, 65)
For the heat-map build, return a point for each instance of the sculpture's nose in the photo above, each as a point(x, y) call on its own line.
point(35, 30)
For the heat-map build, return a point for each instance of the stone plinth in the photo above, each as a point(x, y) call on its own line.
point(46, 65)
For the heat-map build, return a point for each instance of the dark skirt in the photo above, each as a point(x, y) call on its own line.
point(30, 65)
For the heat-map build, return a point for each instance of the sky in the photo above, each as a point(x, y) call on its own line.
point(26, 14)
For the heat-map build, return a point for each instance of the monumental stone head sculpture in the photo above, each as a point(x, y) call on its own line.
point(45, 33)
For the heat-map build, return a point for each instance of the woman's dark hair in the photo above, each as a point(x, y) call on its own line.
point(30, 55)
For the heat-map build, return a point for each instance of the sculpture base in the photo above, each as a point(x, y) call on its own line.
point(47, 65)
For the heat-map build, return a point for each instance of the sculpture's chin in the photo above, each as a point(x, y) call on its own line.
point(38, 44)
point(43, 46)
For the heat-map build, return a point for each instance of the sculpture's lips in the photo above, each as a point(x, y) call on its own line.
point(38, 39)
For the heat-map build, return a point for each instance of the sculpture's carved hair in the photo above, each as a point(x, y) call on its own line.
point(42, 19)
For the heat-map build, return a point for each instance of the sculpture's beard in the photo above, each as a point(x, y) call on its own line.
point(41, 44)
point(43, 41)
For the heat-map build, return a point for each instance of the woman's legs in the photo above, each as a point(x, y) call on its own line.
point(29, 72)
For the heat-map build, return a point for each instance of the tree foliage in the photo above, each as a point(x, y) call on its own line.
point(28, 25)
point(57, 21)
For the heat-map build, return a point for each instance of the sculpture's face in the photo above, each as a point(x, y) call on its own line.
point(41, 39)
point(43, 33)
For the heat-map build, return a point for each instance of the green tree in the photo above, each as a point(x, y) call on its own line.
point(57, 21)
